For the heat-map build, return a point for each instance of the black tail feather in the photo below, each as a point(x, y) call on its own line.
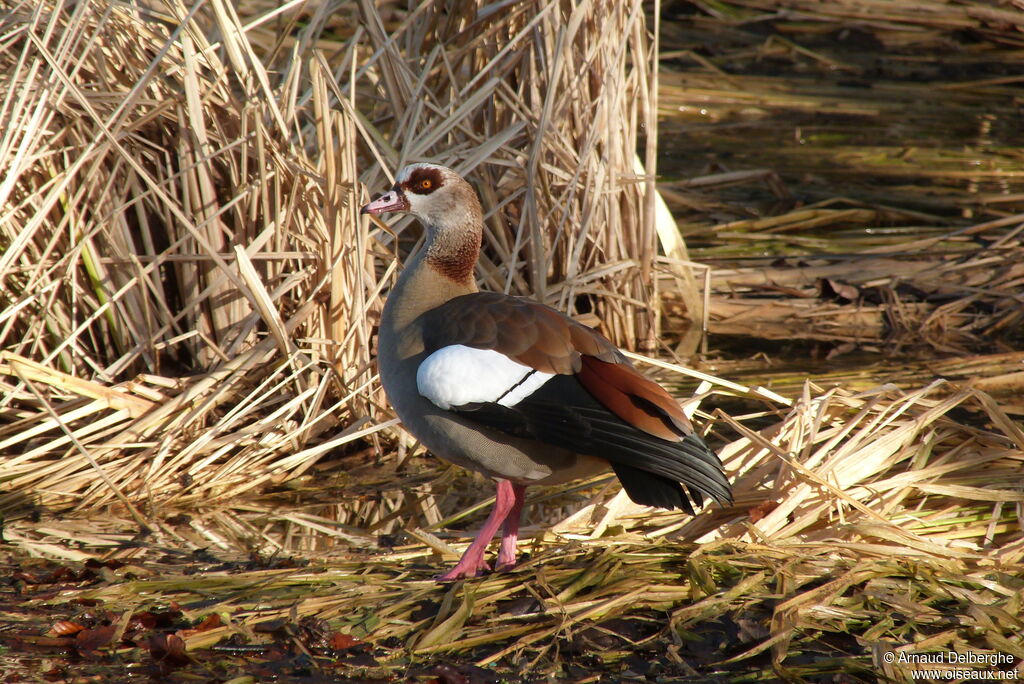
point(653, 471)
point(649, 489)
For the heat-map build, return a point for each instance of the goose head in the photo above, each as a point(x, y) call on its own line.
point(447, 206)
point(435, 194)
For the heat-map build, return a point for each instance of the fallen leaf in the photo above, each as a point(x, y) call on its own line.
point(168, 649)
point(832, 288)
point(340, 642)
point(211, 622)
point(63, 574)
point(97, 637)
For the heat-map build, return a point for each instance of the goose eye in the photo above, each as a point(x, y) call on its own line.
point(426, 184)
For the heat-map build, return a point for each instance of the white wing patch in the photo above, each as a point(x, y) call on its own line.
point(458, 375)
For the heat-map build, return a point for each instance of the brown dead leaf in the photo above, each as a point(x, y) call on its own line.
point(168, 649)
point(97, 637)
point(211, 622)
point(832, 288)
point(340, 642)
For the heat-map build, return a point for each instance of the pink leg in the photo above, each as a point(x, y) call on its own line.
point(507, 552)
point(472, 561)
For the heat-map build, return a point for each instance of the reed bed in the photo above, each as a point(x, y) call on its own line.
point(189, 293)
point(188, 305)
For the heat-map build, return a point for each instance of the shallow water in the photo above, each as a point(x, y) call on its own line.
point(920, 120)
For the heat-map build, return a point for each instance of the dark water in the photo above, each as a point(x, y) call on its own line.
point(907, 116)
point(921, 121)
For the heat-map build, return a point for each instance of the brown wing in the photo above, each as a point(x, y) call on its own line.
point(530, 333)
point(549, 341)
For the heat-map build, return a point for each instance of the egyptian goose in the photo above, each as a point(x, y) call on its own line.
point(514, 389)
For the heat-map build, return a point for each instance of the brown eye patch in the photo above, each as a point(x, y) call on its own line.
point(424, 181)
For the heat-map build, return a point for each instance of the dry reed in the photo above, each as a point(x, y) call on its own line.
point(869, 517)
point(189, 293)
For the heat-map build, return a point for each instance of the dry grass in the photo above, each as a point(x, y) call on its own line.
point(865, 523)
point(947, 293)
point(188, 304)
point(165, 239)
point(189, 293)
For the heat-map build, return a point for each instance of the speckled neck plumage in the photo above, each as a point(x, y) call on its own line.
point(454, 235)
point(453, 254)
